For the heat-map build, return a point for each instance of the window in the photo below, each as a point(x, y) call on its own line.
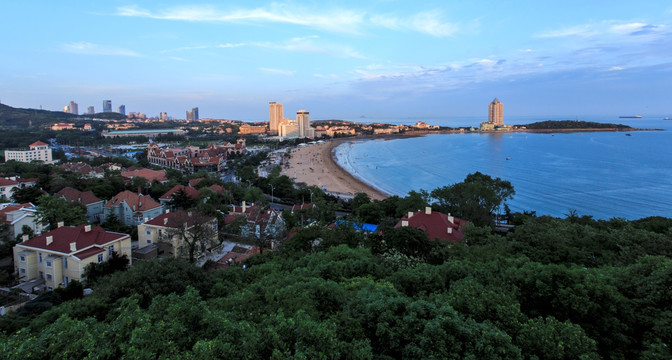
point(48, 262)
point(40, 274)
point(110, 250)
point(100, 258)
point(22, 271)
point(149, 233)
point(49, 277)
point(65, 263)
point(39, 257)
point(66, 280)
point(22, 258)
point(149, 241)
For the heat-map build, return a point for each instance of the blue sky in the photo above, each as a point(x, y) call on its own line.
point(340, 59)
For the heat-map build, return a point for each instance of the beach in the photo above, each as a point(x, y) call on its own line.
point(315, 165)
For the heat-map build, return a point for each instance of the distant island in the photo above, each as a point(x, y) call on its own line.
point(24, 118)
point(572, 124)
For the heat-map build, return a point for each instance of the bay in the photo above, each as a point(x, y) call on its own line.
point(603, 174)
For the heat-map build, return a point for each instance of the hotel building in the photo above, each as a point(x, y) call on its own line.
point(496, 113)
point(37, 151)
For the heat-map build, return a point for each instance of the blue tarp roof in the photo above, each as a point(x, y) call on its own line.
point(358, 226)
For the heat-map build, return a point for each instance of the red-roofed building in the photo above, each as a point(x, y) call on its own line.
point(38, 151)
point(131, 209)
point(149, 174)
point(236, 256)
point(94, 205)
point(169, 230)
point(60, 256)
point(437, 226)
point(7, 187)
point(166, 198)
point(194, 182)
point(19, 215)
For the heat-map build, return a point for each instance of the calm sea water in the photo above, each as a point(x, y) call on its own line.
point(603, 174)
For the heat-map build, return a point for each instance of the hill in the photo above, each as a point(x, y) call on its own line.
point(24, 118)
point(573, 124)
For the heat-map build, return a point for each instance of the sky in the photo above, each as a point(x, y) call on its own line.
point(340, 59)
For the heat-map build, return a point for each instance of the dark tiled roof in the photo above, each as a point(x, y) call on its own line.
point(74, 195)
point(435, 225)
point(191, 192)
point(140, 202)
point(178, 218)
point(63, 236)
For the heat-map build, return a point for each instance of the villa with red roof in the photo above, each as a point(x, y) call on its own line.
point(149, 174)
point(437, 226)
point(37, 151)
point(166, 198)
point(19, 215)
point(57, 257)
point(94, 205)
point(131, 209)
point(161, 233)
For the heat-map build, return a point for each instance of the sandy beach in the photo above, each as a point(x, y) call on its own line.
point(315, 165)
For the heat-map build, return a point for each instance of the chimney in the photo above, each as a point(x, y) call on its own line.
point(404, 223)
point(410, 214)
point(450, 230)
point(87, 228)
point(189, 214)
point(451, 219)
point(145, 220)
point(244, 206)
point(428, 210)
point(139, 190)
point(73, 246)
point(167, 211)
point(24, 237)
point(165, 221)
point(50, 239)
point(60, 224)
point(139, 204)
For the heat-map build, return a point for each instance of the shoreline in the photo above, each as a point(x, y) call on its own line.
point(316, 165)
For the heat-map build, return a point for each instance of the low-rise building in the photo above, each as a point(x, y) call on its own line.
point(437, 226)
point(94, 205)
point(37, 151)
point(19, 215)
point(131, 209)
point(168, 231)
point(167, 198)
point(61, 255)
point(149, 174)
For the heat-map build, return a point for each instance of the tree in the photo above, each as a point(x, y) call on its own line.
point(51, 210)
point(476, 199)
point(181, 200)
point(94, 271)
point(28, 194)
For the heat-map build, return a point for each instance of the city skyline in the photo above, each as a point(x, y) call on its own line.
point(341, 60)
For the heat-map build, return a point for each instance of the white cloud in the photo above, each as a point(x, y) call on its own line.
point(428, 22)
point(87, 48)
point(338, 20)
point(615, 68)
point(580, 30)
point(278, 71)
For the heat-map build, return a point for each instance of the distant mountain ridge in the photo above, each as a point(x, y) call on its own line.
point(24, 118)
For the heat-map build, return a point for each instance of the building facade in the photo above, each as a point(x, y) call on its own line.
point(91, 110)
point(94, 205)
point(61, 255)
point(74, 108)
point(131, 209)
point(36, 151)
point(496, 113)
point(192, 115)
point(122, 109)
point(107, 105)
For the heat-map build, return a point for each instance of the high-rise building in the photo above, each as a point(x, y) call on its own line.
point(192, 115)
point(91, 110)
point(276, 116)
point(66, 109)
point(496, 112)
point(303, 121)
point(122, 109)
point(74, 108)
point(163, 116)
point(107, 105)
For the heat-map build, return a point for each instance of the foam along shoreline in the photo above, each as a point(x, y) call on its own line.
point(316, 165)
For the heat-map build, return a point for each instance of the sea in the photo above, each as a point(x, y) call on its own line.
point(601, 174)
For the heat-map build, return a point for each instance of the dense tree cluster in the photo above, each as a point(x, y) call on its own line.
point(551, 289)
